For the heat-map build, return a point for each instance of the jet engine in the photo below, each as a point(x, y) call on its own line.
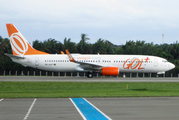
point(110, 71)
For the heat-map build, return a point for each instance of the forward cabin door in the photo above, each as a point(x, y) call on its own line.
point(155, 62)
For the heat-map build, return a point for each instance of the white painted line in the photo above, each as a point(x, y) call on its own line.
point(78, 110)
point(27, 115)
point(1, 100)
point(98, 109)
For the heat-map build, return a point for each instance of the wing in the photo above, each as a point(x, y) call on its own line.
point(84, 65)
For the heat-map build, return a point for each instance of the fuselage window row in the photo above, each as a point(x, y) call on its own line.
point(99, 61)
point(56, 60)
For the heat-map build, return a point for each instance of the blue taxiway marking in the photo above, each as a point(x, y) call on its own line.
point(87, 110)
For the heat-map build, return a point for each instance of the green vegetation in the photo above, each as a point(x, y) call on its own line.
point(52, 46)
point(85, 89)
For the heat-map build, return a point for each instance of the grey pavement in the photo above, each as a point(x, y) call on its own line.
point(84, 79)
point(141, 108)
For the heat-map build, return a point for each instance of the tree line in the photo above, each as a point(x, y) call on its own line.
point(101, 46)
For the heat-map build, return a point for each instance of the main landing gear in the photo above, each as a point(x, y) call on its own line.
point(89, 74)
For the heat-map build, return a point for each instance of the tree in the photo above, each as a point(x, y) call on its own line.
point(109, 47)
point(71, 46)
point(99, 47)
point(82, 45)
point(50, 45)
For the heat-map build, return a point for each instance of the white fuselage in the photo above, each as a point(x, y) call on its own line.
point(125, 63)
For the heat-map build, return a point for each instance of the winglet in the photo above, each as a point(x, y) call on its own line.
point(69, 56)
point(62, 52)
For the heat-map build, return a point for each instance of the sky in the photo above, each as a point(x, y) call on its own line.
point(115, 20)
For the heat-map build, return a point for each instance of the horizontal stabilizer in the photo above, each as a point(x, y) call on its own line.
point(14, 56)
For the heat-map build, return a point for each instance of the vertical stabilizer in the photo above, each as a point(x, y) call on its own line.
point(19, 45)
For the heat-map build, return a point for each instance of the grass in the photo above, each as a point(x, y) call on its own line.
point(85, 89)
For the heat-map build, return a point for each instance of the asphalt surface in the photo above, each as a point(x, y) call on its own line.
point(85, 79)
point(142, 108)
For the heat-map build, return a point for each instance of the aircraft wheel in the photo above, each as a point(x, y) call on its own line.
point(90, 75)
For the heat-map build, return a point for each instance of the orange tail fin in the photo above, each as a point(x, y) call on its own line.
point(19, 44)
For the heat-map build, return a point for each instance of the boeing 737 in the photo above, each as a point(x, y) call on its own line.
point(106, 65)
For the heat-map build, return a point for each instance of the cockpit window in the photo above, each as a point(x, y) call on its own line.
point(164, 61)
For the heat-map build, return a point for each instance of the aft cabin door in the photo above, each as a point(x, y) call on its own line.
point(36, 61)
point(155, 62)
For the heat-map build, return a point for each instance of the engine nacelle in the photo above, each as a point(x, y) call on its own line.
point(110, 71)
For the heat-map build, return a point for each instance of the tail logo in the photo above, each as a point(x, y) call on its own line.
point(19, 46)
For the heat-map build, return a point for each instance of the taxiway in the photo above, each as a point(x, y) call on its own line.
point(84, 79)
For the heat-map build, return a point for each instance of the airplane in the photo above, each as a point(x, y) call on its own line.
point(106, 65)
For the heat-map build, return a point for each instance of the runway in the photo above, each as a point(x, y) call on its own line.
point(142, 108)
point(85, 79)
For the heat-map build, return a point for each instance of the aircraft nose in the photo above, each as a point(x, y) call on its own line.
point(171, 66)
